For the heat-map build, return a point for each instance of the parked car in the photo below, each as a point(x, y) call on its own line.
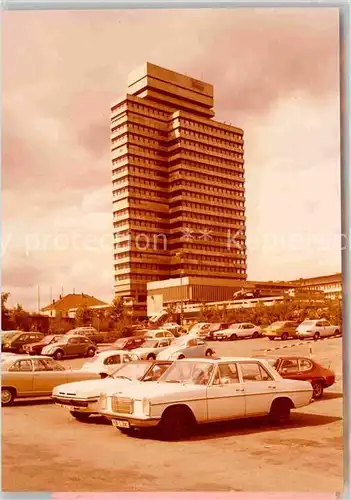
point(125, 344)
point(152, 347)
point(36, 347)
point(209, 332)
point(194, 391)
point(82, 398)
point(186, 347)
point(316, 328)
point(304, 368)
point(26, 377)
point(160, 333)
point(88, 331)
point(238, 331)
point(15, 343)
point(106, 362)
point(281, 329)
point(6, 335)
point(199, 329)
point(70, 346)
point(174, 328)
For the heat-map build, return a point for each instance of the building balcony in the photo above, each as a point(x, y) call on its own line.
point(190, 191)
point(222, 202)
point(218, 212)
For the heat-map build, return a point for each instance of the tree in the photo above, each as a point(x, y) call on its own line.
point(84, 316)
point(20, 318)
point(6, 322)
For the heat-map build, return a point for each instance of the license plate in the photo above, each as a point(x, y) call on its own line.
point(121, 423)
point(69, 408)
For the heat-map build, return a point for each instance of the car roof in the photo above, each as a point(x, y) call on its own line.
point(17, 357)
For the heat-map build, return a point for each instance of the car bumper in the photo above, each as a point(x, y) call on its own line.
point(77, 405)
point(304, 335)
point(139, 423)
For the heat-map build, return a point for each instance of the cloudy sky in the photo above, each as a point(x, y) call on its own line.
point(275, 74)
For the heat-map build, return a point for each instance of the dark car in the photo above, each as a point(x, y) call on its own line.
point(125, 343)
point(70, 346)
point(36, 347)
point(304, 368)
point(213, 328)
point(16, 342)
point(88, 331)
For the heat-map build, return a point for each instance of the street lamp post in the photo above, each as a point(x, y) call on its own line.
point(179, 254)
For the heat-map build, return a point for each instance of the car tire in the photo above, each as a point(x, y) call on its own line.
point(316, 336)
point(181, 356)
point(151, 357)
point(7, 396)
point(58, 354)
point(91, 352)
point(176, 423)
point(81, 417)
point(318, 389)
point(103, 375)
point(336, 332)
point(280, 411)
point(234, 337)
point(285, 336)
point(255, 335)
point(209, 352)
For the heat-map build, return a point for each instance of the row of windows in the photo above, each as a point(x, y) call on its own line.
point(220, 210)
point(213, 249)
point(120, 129)
point(211, 128)
point(139, 139)
point(213, 139)
point(149, 130)
point(196, 146)
point(148, 110)
point(209, 159)
point(217, 200)
point(212, 189)
point(134, 276)
point(226, 174)
point(208, 219)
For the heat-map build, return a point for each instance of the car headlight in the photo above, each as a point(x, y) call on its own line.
point(103, 401)
point(146, 407)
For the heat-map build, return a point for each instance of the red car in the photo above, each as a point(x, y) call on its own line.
point(125, 343)
point(304, 368)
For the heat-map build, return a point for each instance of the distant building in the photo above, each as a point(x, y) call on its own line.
point(331, 285)
point(194, 291)
point(63, 305)
point(178, 185)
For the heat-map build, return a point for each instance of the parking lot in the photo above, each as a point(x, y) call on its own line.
point(45, 449)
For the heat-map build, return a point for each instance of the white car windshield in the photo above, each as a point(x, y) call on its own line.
point(131, 371)
point(308, 322)
point(235, 325)
point(180, 341)
point(188, 372)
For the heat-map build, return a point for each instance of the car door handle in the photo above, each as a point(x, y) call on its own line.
point(272, 387)
point(239, 390)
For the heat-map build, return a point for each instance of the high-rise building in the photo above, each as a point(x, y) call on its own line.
point(178, 185)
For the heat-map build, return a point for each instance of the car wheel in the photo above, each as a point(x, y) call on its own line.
point(103, 375)
point(316, 336)
point(234, 337)
point(7, 396)
point(176, 423)
point(58, 354)
point(151, 356)
point(336, 332)
point(318, 389)
point(255, 335)
point(91, 352)
point(285, 336)
point(81, 417)
point(280, 411)
point(209, 352)
point(181, 356)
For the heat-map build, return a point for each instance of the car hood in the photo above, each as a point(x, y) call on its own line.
point(90, 388)
point(158, 391)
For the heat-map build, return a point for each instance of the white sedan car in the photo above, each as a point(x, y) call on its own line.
point(82, 399)
point(316, 328)
point(197, 391)
point(238, 331)
point(151, 348)
point(106, 362)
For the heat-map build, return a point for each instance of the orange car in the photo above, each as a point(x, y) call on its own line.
point(304, 368)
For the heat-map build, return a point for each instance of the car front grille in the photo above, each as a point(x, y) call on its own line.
point(72, 402)
point(122, 405)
